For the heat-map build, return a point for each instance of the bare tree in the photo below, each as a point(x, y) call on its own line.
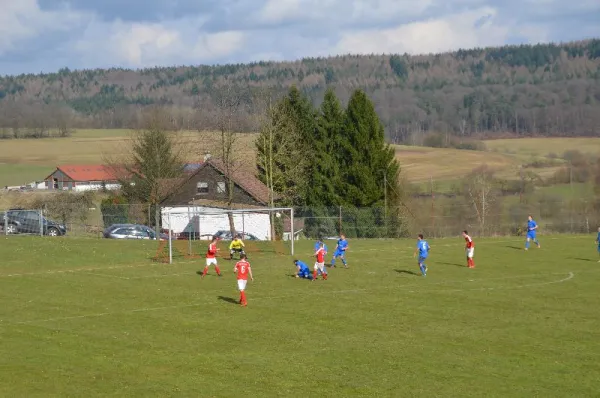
point(480, 191)
point(230, 102)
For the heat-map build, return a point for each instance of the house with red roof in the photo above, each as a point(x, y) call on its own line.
point(82, 177)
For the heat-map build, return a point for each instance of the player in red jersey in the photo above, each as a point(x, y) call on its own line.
point(469, 249)
point(243, 269)
point(211, 257)
point(320, 263)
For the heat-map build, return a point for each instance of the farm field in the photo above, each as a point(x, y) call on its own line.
point(532, 147)
point(91, 317)
point(24, 161)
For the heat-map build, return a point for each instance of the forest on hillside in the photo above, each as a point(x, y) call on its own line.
point(544, 89)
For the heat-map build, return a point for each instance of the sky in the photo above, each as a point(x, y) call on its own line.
point(46, 35)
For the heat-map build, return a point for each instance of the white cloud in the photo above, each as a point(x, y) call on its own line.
point(341, 12)
point(217, 45)
point(468, 29)
point(22, 20)
point(142, 33)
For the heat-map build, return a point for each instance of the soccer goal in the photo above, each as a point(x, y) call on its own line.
point(190, 228)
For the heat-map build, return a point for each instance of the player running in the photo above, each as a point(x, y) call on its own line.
point(320, 263)
point(531, 233)
point(211, 257)
point(598, 242)
point(423, 250)
point(340, 251)
point(242, 269)
point(236, 246)
point(469, 249)
point(302, 270)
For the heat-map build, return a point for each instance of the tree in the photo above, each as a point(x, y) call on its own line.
point(480, 192)
point(367, 162)
point(326, 141)
point(154, 158)
point(284, 151)
point(276, 154)
point(230, 101)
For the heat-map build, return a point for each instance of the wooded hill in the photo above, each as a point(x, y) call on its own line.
point(546, 89)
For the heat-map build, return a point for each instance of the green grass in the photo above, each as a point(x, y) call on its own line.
point(97, 318)
point(21, 174)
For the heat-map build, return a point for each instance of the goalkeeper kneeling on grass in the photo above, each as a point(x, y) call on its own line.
point(236, 246)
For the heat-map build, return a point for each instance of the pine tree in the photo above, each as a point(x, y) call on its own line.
point(366, 156)
point(323, 190)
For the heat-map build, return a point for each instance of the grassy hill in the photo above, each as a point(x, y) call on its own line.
point(547, 89)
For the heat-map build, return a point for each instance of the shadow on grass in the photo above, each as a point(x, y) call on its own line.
point(404, 271)
point(228, 300)
point(514, 247)
point(583, 259)
point(455, 264)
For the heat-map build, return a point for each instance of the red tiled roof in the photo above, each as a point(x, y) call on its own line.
point(90, 172)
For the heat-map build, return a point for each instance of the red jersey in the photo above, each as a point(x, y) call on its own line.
point(470, 243)
point(242, 268)
point(320, 255)
point(212, 250)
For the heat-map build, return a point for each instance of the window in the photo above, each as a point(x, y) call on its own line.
point(202, 187)
point(220, 187)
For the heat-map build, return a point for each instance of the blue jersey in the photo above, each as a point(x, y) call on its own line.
point(341, 245)
point(423, 248)
point(531, 226)
point(598, 239)
point(303, 267)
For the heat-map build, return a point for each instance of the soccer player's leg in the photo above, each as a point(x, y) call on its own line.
point(209, 261)
point(333, 259)
point(242, 289)
point(343, 257)
point(422, 266)
point(470, 255)
point(323, 270)
point(527, 240)
point(315, 271)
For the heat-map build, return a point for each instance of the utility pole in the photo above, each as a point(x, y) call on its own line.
point(385, 195)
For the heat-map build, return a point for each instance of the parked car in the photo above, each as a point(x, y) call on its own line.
point(20, 221)
point(226, 235)
point(131, 231)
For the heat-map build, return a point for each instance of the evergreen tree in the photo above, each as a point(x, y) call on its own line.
point(284, 148)
point(366, 160)
point(325, 180)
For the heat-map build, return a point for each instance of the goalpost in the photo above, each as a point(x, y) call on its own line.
point(190, 228)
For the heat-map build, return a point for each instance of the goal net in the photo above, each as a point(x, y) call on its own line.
point(190, 229)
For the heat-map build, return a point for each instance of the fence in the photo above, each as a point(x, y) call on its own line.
point(434, 217)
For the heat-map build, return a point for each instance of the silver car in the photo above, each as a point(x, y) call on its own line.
point(131, 231)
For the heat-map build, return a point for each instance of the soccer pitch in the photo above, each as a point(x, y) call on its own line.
point(86, 318)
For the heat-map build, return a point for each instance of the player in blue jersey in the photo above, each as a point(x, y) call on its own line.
point(598, 242)
point(531, 233)
point(340, 251)
point(423, 250)
point(318, 246)
point(302, 270)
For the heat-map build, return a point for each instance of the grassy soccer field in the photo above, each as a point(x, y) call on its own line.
point(92, 318)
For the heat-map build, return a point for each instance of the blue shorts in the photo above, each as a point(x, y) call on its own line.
point(530, 235)
point(339, 253)
point(422, 259)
